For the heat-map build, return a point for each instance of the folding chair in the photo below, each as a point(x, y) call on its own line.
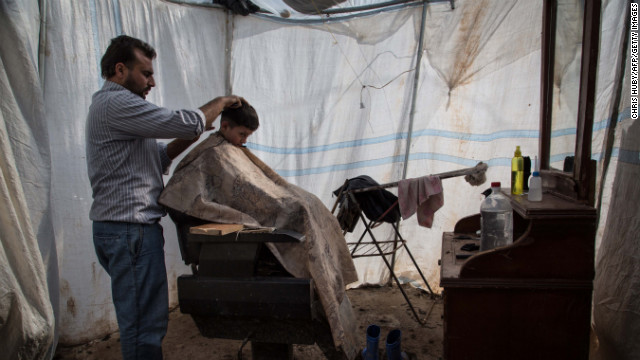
point(363, 195)
point(351, 196)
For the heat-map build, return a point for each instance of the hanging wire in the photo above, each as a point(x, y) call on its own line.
point(380, 87)
point(355, 73)
point(390, 81)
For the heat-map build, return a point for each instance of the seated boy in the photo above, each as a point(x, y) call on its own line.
point(220, 181)
point(236, 125)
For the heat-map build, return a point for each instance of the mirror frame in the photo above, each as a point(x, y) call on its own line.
point(580, 185)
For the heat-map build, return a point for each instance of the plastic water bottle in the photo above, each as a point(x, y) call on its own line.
point(497, 220)
point(535, 187)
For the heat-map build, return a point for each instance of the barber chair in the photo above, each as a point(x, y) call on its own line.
point(239, 290)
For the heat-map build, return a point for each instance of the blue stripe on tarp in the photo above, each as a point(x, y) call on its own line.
point(397, 136)
point(604, 124)
point(453, 159)
point(341, 167)
point(624, 114)
point(559, 157)
point(629, 156)
point(321, 148)
point(478, 137)
point(393, 159)
point(506, 134)
point(563, 132)
point(632, 157)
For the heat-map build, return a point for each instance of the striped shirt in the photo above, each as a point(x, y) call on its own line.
point(124, 161)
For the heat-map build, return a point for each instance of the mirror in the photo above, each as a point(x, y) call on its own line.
point(570, 40)
point(566, 83)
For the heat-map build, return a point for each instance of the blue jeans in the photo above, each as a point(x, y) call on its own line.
point(133, 256)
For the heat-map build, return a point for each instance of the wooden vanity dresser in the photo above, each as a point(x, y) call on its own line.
point(528, 300)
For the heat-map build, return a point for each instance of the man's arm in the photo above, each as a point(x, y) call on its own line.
point(177, 146)
point(211, 111)
point(214, 107)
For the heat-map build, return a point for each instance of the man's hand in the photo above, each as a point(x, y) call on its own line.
point(214, 107)
point(234, 102)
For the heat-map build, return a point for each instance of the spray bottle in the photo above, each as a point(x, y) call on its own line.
point(535, 184)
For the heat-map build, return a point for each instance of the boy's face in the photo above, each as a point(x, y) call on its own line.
point(236, 135)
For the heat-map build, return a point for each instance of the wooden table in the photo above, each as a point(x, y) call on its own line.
point(529, 300)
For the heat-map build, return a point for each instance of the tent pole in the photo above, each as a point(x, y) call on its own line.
point(414, 95)
point(228, 87)
point(415, 90)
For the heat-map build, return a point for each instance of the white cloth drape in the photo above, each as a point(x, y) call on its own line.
point(28, 261)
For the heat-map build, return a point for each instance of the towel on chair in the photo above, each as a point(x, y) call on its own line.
point(423, 195)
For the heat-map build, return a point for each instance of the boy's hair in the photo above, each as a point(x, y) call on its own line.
point(120, 50)
point(245, 115)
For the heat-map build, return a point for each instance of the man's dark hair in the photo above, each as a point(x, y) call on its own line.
point(121, 50)
point(245, 115)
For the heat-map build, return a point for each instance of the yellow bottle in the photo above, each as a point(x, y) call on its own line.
point(517, 172)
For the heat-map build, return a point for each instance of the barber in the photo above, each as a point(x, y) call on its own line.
point(125, 165)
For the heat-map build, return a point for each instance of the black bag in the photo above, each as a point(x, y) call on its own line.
point(373, 203)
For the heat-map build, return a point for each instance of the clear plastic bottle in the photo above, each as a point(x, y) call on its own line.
point(517, 172)
point(535, 187)
point(497, 220)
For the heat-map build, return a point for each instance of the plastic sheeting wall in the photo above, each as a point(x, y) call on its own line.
point(335, 102)
point(189, 72)
point(329, 115)
point(616, 308)
point(28, 261)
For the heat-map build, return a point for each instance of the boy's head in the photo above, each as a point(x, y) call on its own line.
point(237, 124)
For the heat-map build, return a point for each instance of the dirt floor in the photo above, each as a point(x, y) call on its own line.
point(383, 306)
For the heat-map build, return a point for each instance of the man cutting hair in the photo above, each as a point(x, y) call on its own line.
point(125, 165)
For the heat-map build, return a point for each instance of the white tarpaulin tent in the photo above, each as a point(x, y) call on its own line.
point(338, 96)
